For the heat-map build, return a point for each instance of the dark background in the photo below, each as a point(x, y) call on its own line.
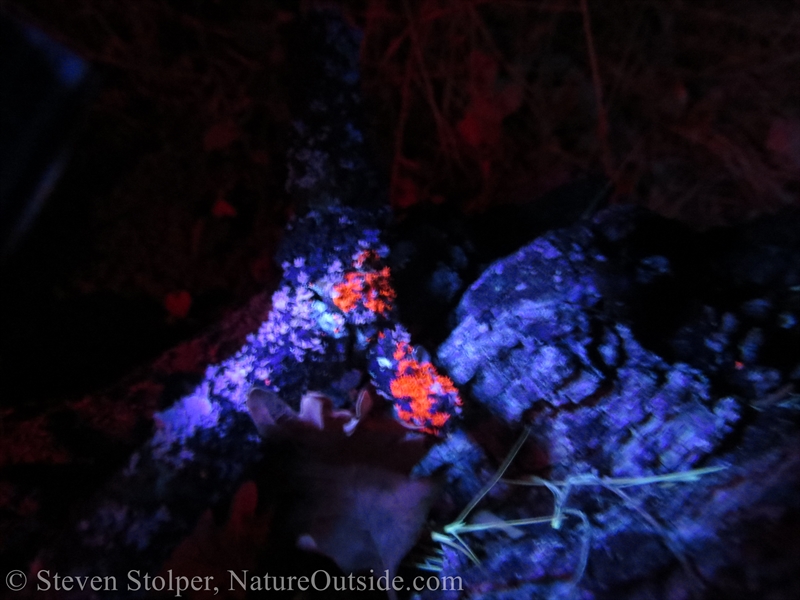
point(171, 205)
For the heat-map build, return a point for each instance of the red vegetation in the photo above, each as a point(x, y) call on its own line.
point(178, 303)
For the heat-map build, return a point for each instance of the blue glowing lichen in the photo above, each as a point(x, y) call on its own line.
point(333, 310)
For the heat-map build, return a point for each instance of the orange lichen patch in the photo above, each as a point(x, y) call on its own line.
point(347, 294)
point(381, 294)
point(418, 384)
point(401, 351)
point(368, 257)
point(373, 290)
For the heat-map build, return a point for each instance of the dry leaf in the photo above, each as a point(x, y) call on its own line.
point(359, 505)
point(363, 517)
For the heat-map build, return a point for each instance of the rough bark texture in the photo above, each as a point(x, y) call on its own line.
point(633, 351)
